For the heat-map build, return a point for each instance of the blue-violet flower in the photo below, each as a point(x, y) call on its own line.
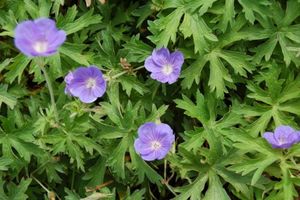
point(39, 37)
point(283, 137)
point(154, 141)
point(164, 66)
point(87, 83)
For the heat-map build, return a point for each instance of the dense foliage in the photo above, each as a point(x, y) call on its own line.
point(240, 78)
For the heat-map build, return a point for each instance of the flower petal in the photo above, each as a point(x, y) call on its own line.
point(86, 96)
point(69, 77)
point(159, 76)
point(57, 39)
point(151, 66)
point(269, 136)
point(165, 132)
point(163, 151)
point(98, 91)
point(146, 132)
point(161, 56)
point(149, 157)
point(43, 24)
point(284, 130)
point(177, 59)
point(76, 88)
point(142, 147)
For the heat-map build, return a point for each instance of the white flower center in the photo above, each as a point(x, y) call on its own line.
point(155, 145)
point(167, 69)
point(282, 140)
point(40, 47)
point(91, 83)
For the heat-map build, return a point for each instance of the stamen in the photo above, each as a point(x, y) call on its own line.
point(155, 145)
point(282, 140)
point(167, 69)
point(90, 83)
point(40, 47)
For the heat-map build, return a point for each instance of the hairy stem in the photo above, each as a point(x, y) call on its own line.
point(50, 88)
point(124, 72)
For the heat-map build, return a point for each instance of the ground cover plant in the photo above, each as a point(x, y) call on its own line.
point(149, 99)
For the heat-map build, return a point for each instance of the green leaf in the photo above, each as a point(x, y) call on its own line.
point(251, 8)
point(5, 163)
point(291, 107)
point(228, 15)
point(56, 5)
point(7, 98)
point(272, 102)
point(137, 50)
point(129, 82)
point(117, 158)
point(73, 51)
point(238, 61)
point(194, 25)
point(13, 142)
point(240, 183)
point(266, 49)
point(291, 12)
point(205, 5)
point(165, 28)
point(257, 165)
point(143, 169)
point(215, 189)
point(31, 8)
point(257, 144)
point(143, 13)
point(265, 158)
point(216, 82)
point(71, 195)
point(198, 110)
point(84, 21)
point(96, 173)
point(73, 140)
point(193, 72)
point(289, 191)
point(55, 68)
point(5, 63)
point(16, 68)
point(157, 113)
point(52, 166)
point(113, 112)
point(192, 191)
point(193, 140)
point(137, 194)
point(16, 192)
point(286, 36)
point(44, 8)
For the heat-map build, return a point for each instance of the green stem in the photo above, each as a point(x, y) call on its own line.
point(165, 170)
point(138, 68)
point(50, 88)
point(73, 179)
point(46, 189)
point(170, 189)
point(124, 72)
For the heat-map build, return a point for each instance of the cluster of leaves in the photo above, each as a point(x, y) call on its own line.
point(240, 78)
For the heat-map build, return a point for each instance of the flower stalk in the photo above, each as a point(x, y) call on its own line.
point(125, 72)
point(50, 88)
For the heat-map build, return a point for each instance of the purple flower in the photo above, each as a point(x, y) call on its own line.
point(164, 67)
point(87, 83)
point(154, 141)
point(39, 37)
point(283, 137)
